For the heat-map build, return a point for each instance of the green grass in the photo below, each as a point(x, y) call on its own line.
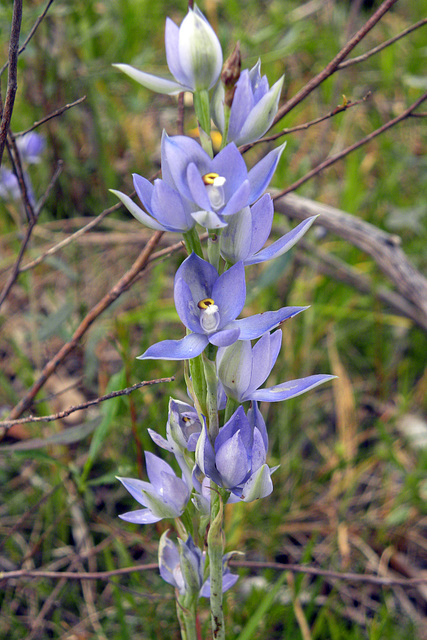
point(350, 494)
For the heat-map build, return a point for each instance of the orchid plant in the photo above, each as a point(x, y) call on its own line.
point(219, 438)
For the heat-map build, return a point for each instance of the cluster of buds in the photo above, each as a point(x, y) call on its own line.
point(224, 368)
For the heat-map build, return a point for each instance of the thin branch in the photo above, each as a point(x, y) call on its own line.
point(306, 125)
point(12, 78)
point(332, 159)
point(30, 35)
point(122, 285)
point(54, 114)
point(42, 200)
point(60, 245)
point(380, 47)
point(31, 224)
point(333, 65)
point(294, 568)
point(84, 405)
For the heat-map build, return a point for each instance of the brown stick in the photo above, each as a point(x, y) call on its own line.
point(333, 65)
point(122, 285)
point(12, 79)
point(54, 114)
point(295, 568)
point(84, 405)
point(381, 246)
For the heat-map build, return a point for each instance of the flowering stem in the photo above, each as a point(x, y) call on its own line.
point(198, 381)
point(230, 408)
point(213, 248)
point(192, 242)
point(211, 397)
point(187, 619)
point(227, 112)
point(202, 109)
point(215, 551)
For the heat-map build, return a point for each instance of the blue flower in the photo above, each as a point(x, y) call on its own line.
point(218, 187)
point(208, 305)
point(253, 108)
point(193, 54)
point(165, 496)
point(242, 369)
point(183, 567)
point(236, 460)
point(9, 185)
point(31, 145)
point(248, 230)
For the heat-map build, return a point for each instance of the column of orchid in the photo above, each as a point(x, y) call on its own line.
point(219, 438)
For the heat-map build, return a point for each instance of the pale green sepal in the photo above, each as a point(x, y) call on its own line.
point(258, 486)
point(154, 83)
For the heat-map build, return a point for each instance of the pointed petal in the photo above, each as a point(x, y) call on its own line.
point(282, 245)
point(189, 347)
point(234, 368)
point(243, 101)
point(154, 83)
point(289, 389)
point(254, 326)
point(229, 293)
point(225, 337)
point(172, 52)
point(262, 213)
point(261, 364)
point(232, 461)
point(261, 174)
point(137, 212)
point(141, 516)
point(261, 115)
point(235, 240)
point(168, 208)
point(159, 440)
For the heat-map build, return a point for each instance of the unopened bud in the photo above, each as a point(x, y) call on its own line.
point(231, 73)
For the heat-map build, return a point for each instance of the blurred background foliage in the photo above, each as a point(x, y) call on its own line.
point(351, 490)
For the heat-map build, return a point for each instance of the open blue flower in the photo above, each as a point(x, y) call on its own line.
point(242, 369)
point(253, 108)
point(248, 230)
point(218, 187)
point(208, 305)
point(31, 145)
point(193, 54)
point(236, 460)
point(165, 496)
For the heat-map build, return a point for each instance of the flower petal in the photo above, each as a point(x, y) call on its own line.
point(289, 389)
point(225, 337)
point(282, 245)
point(254, 326)
point(258, 486)
point(189, 347)
point(137, 212)
point(154, 83)
point(261, 174)
point(141, 516)
point(229, 293)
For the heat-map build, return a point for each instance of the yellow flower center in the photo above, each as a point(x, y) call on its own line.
point(205, 303)
point(209, 178)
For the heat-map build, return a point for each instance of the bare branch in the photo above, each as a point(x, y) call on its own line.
point(84, 405)
point(380, 47)
point(12, 79)
point(54, 114)
point(333, 65)
point(338, 156)
point(294, 568)
point(122, 285)
point(30, 35)
point(381, 246)
point(306, 125)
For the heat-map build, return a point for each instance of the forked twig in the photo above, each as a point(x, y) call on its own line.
point(54, 114)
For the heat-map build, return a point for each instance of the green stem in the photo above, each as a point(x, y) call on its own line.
point(192, 242)
point(198, 381)
point(227, 112)
point(202, 109)
point(213, 248)
point(216, 551)
point(187, 618)
point(230, 408)
point(211, 397)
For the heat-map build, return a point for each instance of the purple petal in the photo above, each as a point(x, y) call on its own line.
point(225, 337)
point(230, 164)
point(243, 101)
point(159, 440)
point(189, 347)
point(197, 187)
point(156, 469)
point(264, 356)
point(289, 389)
point(238, 200)
point(172, 52)
point(234, 368)
point(168, 208)
point(282, 245)
point(209, 219)
point(178, 152)
point(144, 190)
point(257, 422)
point(199, 275)
point(237, 423)
point(136, 488)
point(229, 293)
point(232, 461)
point(261, 174)
point(137, 212)
point(235, 240)
point(254, 326)
point(262, 213)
